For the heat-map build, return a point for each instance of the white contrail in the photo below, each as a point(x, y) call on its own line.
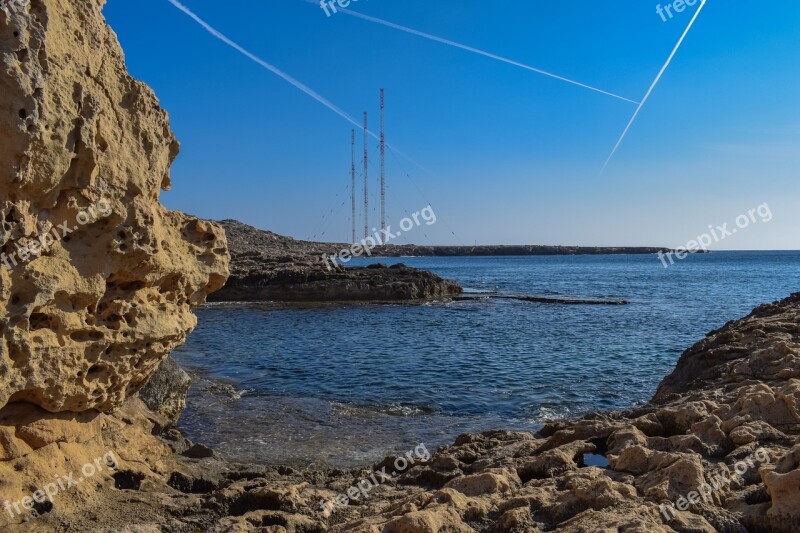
point(310, 92)
point(653, 86)
point(313, 94)
point(479, 52)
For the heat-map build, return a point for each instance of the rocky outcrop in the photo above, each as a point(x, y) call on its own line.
point(98, 277)
point(267, 267)
point(264, 279)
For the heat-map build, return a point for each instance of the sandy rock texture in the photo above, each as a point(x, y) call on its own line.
point(97, 278)
point(85, 151)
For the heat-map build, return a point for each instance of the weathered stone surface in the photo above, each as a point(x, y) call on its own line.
point(165, 392)
point(86, 321)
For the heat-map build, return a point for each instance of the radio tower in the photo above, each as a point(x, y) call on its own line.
point(353, 179)
point(383, 172)
point(366, 182)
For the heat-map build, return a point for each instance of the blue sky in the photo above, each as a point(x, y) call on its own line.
point(510, 156)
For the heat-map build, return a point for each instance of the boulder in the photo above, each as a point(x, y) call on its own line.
point(165, 392)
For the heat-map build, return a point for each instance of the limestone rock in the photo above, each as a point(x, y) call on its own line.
point(86, 149)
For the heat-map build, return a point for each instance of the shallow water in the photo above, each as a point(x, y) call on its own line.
point(345, 385)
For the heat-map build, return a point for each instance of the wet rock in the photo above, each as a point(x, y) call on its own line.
point(165, 392)
point(198, 451)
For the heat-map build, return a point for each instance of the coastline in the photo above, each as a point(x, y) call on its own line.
point(88, 435)
point(279, 245)
point(732, 395)
point(269, 268)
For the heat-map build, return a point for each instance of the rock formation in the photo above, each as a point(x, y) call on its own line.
point(106, 290)
point(268, 267)
point(97, 277)
point(165, 392)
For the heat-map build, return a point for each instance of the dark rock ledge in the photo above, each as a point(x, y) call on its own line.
point(269, 268)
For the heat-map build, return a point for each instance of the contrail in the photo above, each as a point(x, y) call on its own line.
point(313, 94)
point(310, 92)
point(479, 52)
point(653, 86)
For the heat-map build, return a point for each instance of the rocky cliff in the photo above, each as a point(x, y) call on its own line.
point(97, 277)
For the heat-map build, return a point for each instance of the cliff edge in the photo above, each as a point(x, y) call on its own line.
point(97, 278)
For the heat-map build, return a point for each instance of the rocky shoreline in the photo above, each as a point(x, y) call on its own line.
point(278, 245)
point(720, 440)
point(89, 318)
point(268, 268)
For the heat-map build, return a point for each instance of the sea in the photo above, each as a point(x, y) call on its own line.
point(343, 386)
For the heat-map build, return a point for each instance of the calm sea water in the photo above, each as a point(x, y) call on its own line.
point(345, 385)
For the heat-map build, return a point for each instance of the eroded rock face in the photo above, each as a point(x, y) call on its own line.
point(84, 152)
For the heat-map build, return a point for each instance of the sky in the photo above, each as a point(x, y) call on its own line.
point(504, 155)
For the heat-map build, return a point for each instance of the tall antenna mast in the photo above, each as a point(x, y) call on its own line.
point(366, 181)
point(383, 172)
point(353, 179)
